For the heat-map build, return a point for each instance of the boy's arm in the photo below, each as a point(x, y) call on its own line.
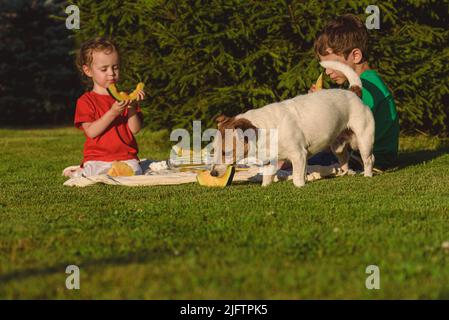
point(134, 122)
point(97, 127)
point(134, 119)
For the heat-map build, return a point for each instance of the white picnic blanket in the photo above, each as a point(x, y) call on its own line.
point(174, 177)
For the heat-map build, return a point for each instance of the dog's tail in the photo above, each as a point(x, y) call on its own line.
point(355, 84)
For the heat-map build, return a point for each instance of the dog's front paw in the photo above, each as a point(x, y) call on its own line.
point(267, 180)
point(299, 182)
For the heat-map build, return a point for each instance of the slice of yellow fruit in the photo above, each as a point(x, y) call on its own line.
point(133, 95)
point(120, 169)
point(319, 82)
point(112, 90)
point(120, 96)
point(205, 179)
point(124, 95)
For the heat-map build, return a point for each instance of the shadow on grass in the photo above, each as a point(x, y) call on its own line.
point(412, 158)
point(133, 257)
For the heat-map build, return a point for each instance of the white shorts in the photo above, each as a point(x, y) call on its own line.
point(93, 168)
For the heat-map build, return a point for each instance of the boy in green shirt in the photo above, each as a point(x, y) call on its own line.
point(345, 39)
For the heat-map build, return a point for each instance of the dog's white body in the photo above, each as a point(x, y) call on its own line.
point(309, 123)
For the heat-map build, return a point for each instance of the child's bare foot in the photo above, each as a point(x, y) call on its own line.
point(71, 171)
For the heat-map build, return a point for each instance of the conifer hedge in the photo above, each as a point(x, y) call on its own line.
point(38, 82)
point(203, 58)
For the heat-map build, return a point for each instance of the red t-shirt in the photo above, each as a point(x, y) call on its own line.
point(117, 142)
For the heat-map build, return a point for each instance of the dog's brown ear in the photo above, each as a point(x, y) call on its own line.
point(221, 118)
point(243, 124)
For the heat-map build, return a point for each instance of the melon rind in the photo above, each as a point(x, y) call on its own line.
point(112, 90)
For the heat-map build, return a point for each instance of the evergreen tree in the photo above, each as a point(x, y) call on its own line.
point(39, 83)
point(203, 58)
point(200, 58)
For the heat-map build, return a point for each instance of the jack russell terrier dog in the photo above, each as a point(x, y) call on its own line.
point(308, 124)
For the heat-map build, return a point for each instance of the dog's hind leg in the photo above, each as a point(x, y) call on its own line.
point(269, 171)
point(368, 160)
point(299, 162)
point(340, 150)
point(365, 139)
point(363, 127)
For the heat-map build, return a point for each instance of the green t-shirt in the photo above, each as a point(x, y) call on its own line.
point(379, 99)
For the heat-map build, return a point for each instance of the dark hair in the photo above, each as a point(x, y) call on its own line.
point(343, 35)
point(84, 53)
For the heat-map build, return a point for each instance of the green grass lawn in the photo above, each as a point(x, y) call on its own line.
point(245, 241)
